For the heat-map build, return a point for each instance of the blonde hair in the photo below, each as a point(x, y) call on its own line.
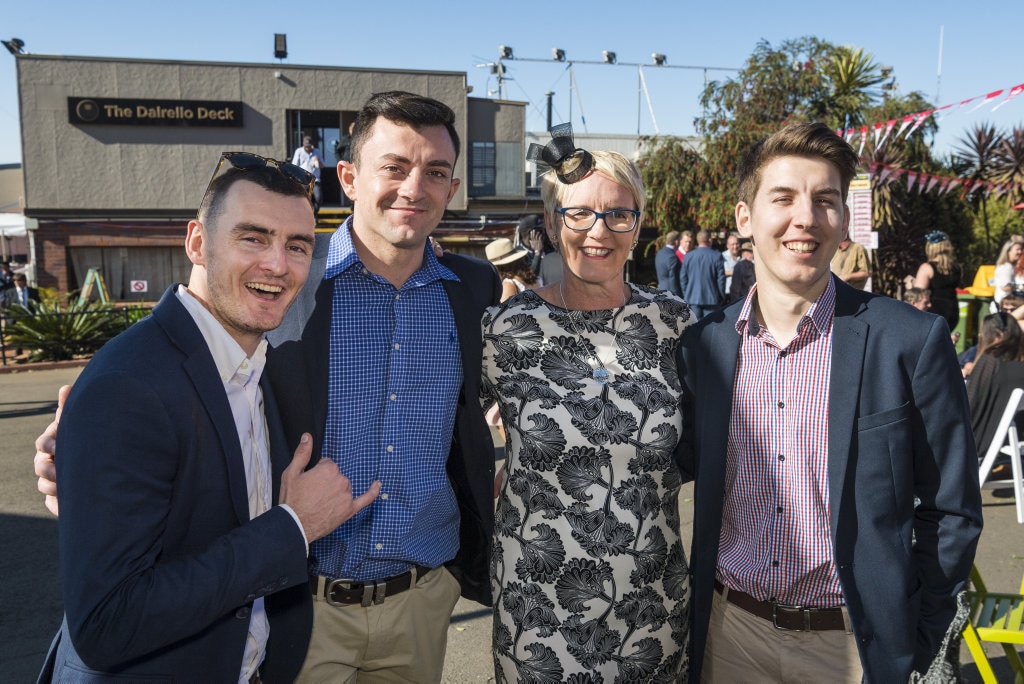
point(609, 164)
point(941, 254)
point(1004, 252)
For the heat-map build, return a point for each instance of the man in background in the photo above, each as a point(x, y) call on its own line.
point(309, 158)
point(850, 263)
point(702, 277)
point(666, 264)
point(729, 257)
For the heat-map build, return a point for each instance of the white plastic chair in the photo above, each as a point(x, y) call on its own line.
point(1006, 442)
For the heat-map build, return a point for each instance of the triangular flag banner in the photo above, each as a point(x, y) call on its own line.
point(1014, 92)
point(911, 179)
point(932, 180)
point(889, 125)
point(878, 132)
point(907, 120)
point(943, 185)
point(919, 119)
point(863, 139)
point(988, 98)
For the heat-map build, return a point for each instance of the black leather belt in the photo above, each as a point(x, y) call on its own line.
point(789, 618)
point(343, 592)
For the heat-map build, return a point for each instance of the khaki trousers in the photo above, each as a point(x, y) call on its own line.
point(400, 640)
point(745, 648)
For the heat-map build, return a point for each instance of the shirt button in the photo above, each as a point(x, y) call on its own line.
point(782, 457)
point(775, 563)
point(782, 404)
point(379, 546)
point(778, 509)
point(390, 448)
point(782, 354)
point(393, 397)
point(397, 346)
point(398, 296)
point(384, 495)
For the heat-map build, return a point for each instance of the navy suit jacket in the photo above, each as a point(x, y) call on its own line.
point(160, 563)
point(298, 365)
point(702, 277)
point(898, 427)
point(666, 263)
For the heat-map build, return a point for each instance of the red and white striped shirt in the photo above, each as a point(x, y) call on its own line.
point(775, 542)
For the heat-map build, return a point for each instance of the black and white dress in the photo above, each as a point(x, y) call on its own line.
point(589, 575)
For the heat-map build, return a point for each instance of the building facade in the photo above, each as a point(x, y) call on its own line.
point(116, 153)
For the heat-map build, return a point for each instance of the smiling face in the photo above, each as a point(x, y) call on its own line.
point(1013, 254)
point(594, 256)
point(253, 259)
point(401, 187)
point(796, 221)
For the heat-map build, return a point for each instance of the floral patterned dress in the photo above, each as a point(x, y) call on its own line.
point(588, 573)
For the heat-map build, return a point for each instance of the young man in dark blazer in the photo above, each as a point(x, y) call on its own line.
point(380, 361)
point(184, 522)
point(837, 507)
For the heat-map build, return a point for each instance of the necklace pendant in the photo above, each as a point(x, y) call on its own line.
point(601, 375)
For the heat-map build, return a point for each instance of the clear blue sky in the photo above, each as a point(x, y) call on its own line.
point(981, 47)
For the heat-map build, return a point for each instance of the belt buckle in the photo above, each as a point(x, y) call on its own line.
point(799, 610)
point(331, 584)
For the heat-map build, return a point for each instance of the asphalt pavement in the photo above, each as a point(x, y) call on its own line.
point(30, 600)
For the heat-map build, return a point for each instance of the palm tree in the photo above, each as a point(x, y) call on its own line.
point(1009, 165)
point(853, 76)
point(977, 160)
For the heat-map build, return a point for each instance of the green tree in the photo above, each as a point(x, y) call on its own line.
point(976, 160)
point(674, 168)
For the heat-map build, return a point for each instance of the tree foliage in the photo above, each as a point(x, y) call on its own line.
point(808, 79)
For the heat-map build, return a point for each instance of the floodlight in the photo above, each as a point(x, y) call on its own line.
point(505, 51)
point(609, 57)
point(558, 54)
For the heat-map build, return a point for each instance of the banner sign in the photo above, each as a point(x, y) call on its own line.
point(101, 111)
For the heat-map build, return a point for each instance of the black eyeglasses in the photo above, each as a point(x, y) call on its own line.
point(581, 218)
point(247, 161)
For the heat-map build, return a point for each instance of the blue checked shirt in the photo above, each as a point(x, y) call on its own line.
point(395, 378)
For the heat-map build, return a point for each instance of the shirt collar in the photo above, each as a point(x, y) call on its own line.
point(341, 255)
point(228, 356)
point(820, 312)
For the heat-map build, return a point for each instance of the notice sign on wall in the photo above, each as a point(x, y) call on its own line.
point(123, 112)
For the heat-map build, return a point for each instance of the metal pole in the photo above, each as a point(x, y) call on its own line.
point(549, 95)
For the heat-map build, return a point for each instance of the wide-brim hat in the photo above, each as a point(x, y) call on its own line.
point(502, 251)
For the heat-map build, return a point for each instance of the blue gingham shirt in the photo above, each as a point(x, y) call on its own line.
point(395, 377)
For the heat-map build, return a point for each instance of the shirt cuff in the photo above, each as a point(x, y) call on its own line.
point(297, 523)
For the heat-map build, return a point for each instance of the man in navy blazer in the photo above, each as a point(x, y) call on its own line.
point(420, 427)
point(184, 527)
point(837, 507)
point(666, 263)
point(702, 277)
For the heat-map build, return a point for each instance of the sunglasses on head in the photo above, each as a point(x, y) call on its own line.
point(247, 161)
point(936, 236)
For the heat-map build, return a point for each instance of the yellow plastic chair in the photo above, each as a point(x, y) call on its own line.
point(996, 618)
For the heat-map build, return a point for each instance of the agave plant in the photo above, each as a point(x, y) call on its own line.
point(55, 332)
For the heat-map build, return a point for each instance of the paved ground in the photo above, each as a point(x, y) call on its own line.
point(30, 604)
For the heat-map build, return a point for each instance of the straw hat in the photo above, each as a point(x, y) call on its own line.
point(502, 251)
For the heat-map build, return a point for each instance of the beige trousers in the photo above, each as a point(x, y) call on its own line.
point(745, 648)
point(400, 640)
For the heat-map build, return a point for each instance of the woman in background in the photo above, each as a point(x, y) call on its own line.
point(941, 273)
point(513, 266)
point(997, 371)
point(1003, 279)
